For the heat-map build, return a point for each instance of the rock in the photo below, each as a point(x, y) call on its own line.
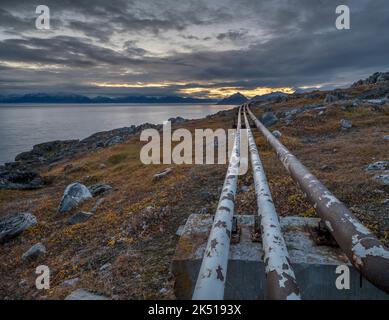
point(34, 252)
point(74, 194)
point(333, 96)
point(379, 165)
point(382, 178)
point(379, 102)
point(385, 202)
point(81, 294)
point(386, 138)
point(14, 224)
point(97, 204)
point(163, 291)
point(177, 120)
point(105, 267)
point(49, 151)
point(276, 134)
point(180, 230)
point(98, 189)
point(346, 124)
point(102, 166)
point(162, 174)
point(113, 141)
point(245, 189)
point(376, 77)
point(203, 211)
point(268, 119)
point(207, 196)
point(20, 180)
point(70, 282)
point(80, 217)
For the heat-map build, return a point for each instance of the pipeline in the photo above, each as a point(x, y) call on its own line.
point(367, 254)
point(213, 271)
point(280, 279)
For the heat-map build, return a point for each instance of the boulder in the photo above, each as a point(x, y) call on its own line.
point(74, 194)
point(14, 224)
point(346, 124)
point(379, 165)
point(34, 252)
point(80, 217)
point(268, 119)
point(276, 134)
point(81, 294)
point(99, 188)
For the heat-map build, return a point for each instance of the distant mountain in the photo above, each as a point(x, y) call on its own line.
point(270, 96)
point(72, 98)
point(236, 98)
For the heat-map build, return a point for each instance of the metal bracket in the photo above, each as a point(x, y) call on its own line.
point(322, 236)
point(236, 231)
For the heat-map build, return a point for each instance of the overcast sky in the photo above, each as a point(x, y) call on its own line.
point(201, 48)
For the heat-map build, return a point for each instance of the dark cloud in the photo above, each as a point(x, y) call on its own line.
point(201, 43)
point(232, 35)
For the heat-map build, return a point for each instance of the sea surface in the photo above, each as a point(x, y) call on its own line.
point(24, 125)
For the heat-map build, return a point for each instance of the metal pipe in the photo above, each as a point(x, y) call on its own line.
point(280, 279)
point(213, 271)
point(365, 251)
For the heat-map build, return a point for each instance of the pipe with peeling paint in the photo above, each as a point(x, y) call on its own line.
point(365, 251)
point(213, 271)
point(280, 279)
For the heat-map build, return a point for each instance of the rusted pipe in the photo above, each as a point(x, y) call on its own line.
point(213, 271)
point(280, 279)
point(365, 251)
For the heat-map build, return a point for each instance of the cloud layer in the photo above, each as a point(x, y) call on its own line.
point(188, 46)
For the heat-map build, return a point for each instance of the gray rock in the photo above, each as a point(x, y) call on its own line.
point(34, 252)
point(334, 96)
point(385, 202)
point(382, 178)
point(177, 120)
point(180, 230)
point(207, 196)
point(99, 188)
point(81, 294)
point(346, 124)
point(203, 211)
point(113, 141)
point(80, 217)
point(386, 138)
point(14, 224)
point(105, 267)
point(277, 134)
point(162, 174)
point(97, 205)
point(71, 282)
point(268, 119)
point(379, 165)
point(245, 189)
point(20, 180)
point(74, 194)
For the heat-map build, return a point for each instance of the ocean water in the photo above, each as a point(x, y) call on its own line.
point(22, 126)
